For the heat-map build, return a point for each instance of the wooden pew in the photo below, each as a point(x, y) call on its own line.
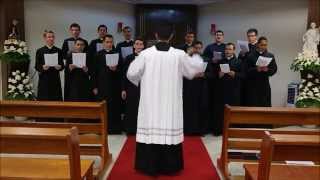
point(282, 147)
point(15, 140)
point(249, 139)
point(93, 136)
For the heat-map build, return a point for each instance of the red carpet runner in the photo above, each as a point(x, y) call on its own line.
point(197, 163)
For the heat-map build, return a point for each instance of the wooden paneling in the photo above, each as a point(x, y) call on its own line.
point(9, 10)
point(183, 18)
point(314, 12)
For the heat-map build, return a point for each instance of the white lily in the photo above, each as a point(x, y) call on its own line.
point(22, 44)
point(6, 42)
point(20, 51)
point(12, 48)
point(18, 77)
point(11, 87)
point(310, 94)
point(20, 87)
point(25, 81)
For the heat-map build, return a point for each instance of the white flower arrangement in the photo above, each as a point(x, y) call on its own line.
point(306, 61)
point(309, 92)
point(14, 51)
point(13, 45)
point(20, 87)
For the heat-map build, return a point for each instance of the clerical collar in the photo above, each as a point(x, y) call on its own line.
point(254, 43)
point(77, 51)
point(49, 47)
point(108, 50)
point(218, 43)
point(260, 52)
point(231, 57)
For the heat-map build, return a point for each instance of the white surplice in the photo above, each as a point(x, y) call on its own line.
point(160, 74)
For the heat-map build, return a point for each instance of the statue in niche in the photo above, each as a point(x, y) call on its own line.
point(14, 31)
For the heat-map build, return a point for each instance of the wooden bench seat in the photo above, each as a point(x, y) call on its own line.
point(40, 168)
point(21, 140)
point(286, 147)
point(285, 172)
point(93, 135)
point(239, 136)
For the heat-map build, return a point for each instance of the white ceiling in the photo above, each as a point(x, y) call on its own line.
point(197, 2)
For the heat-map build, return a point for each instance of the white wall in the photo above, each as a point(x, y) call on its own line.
point(58, 15)
point(283, 22)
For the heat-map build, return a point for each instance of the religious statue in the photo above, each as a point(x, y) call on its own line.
point(311, 40)
point(14, 32)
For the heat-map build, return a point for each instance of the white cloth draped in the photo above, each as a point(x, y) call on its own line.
point(160, 74)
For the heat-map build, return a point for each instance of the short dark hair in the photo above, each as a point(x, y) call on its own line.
point(252, 30)
point(47, 32)
point(197, 43)
point(127, 28)
point(108, 36)
point(164, 31)
point(141, 39)
point(219, 31)
point(102, 26)
point(231, 44)
point(80, 40)
point(191, 32)
point(262, 38)
point(75, 25)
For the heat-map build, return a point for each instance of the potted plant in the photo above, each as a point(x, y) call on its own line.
point(20, 88)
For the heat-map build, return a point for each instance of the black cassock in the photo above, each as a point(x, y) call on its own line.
point(184, 47)
point(229, 89)
point(258, 86)
point(124, 44)
point(66, 52)
point(132, 100)
point(79, 81)
point(49, 84)
point(195, 102)
point(243, 59)
point(214, 97)
point(92, 49)
point(119, 48)
point(108, 83)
